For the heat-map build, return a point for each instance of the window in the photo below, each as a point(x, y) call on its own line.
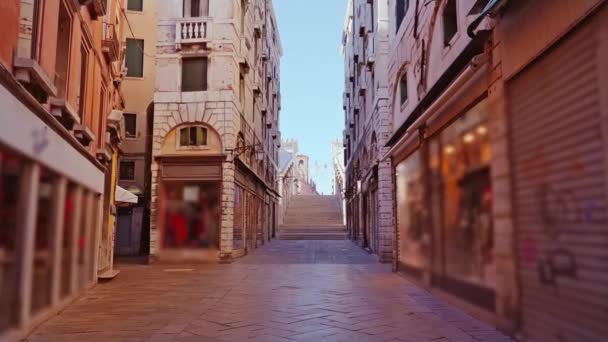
point(63, 45)
point(127, 170)
point(84, 65)
point(130, 125)
point(193, 136)
point(243, 12)
point(194, 74)
point(242, 90)
point(403, 88)
point(135, 5)
point(102, 115)
point(135, 57)
point(400, 10)
point(450, 22)
point(196, 8)
point(36, 27)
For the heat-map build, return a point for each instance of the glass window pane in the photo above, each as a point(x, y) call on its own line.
point(135, 57)
point(413, 231)
point(130, 125)
point(201, 136)
point(450, 22)
point(468, 200)
point(184, 137)
point(194, 74)
point(135, 5)
point(43, 266)
point(11, 169)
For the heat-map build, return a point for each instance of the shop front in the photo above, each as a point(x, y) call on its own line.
point(51, 192)
point(444, 209)
point(190, 209)
point(251, 221)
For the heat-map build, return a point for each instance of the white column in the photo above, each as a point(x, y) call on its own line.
point(98, 207)
point(59, 195)
point(87, 231)
point(75, 230)
point(28, 208)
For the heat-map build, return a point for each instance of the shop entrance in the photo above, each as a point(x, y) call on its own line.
point(191, 215)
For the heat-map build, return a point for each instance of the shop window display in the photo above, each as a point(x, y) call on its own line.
point(11, 171)
point(467, 200)
point(42, 270)
point(413, 232)
point(192, 215)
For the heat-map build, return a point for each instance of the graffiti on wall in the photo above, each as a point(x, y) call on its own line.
point(558, 207)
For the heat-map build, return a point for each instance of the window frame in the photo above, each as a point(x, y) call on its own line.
point(191, 146)
point(403, 85)
point(205, 85)
point(130, 115)
point(141, 57)
point(400, 13)
point(120, 171)
point(141, 8)
point(447, 43)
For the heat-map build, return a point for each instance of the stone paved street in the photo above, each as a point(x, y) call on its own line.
point(288, 290)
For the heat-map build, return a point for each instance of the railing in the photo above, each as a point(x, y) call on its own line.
point(192, 30)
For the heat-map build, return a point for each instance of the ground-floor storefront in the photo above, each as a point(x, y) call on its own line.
point(51, 215)
point(444, 210)
point(201, 207)
point(254, 212)
point(560, 184)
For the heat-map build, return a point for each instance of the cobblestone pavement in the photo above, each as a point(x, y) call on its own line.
point(286, 291)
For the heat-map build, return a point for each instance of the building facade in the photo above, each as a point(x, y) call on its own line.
point(368, 126)
point(133, 228)
point(216, 128)
point(293, 175)
point(59, 134)
point(500, 195)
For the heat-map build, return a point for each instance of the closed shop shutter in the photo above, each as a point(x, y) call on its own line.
point(559, 173)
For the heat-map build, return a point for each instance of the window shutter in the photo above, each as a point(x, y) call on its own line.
point(194, 74)
point(135, 57)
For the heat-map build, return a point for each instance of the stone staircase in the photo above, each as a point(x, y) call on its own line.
point(313, 217)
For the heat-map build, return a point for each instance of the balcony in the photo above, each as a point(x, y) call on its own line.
point(192, 31)
point(97, 8)
point(110, 45)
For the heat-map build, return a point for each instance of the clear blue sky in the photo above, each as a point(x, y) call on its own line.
point(312, 78)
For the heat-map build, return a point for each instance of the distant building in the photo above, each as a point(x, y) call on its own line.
point(133, 229)
point(368, 125)
point(293, 175)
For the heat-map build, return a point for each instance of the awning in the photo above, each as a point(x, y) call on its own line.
point(124, 196)
point(490, 7)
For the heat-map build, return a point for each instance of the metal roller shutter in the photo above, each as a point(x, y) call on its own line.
point(560, 202)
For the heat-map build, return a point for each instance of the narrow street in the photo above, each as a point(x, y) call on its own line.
point(287, 290)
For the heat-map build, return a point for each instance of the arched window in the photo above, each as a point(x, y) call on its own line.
point(193, 136)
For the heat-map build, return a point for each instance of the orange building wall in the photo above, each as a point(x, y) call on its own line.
point(9, 26)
